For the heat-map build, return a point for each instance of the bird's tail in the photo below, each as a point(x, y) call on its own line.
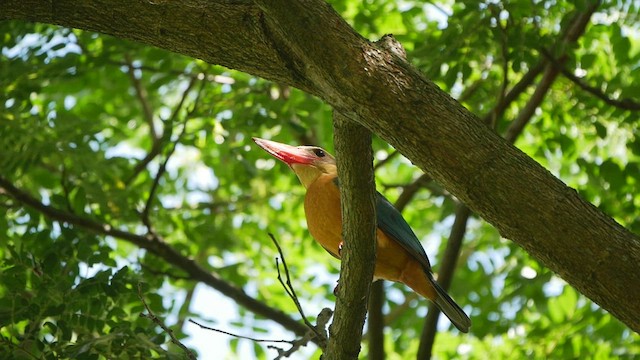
point(449, 307)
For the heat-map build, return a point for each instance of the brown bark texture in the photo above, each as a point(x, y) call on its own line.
point(306, 44)
point(357, 200)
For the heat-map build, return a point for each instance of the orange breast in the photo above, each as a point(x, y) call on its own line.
point(322, 209)
point(393, 262)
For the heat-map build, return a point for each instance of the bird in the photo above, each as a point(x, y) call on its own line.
point(399, 256)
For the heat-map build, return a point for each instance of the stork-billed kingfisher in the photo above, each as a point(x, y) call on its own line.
point(399, 256)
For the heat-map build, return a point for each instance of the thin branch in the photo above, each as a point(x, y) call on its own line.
point(202, 75)
point(156, 146)
point(515, 91)
point(389, 157)
point(504, 47)
point(445, 277)
point(156, 245)
point(398, 310)
point(410, 191)
point(375, 324)
point(141, 94)
point(575, 29)
point(288, 287)
point(151, 316)
point(526, 113)
point(240, 336)
point(169, 274)
point(625, 104)
point(322, 321)
point(156, 181)
point(470, 90)
point(163, 167)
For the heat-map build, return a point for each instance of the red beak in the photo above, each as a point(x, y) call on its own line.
point(287, 153)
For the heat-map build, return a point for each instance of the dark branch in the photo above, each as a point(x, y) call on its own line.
point(151, 316)
point(240, 336)
point(357, 189)
point(375, 324)
point(445, 277)
point(574, 30)
point(625, 104)
point(156, 245)
point(143, 98)
point(320, 334)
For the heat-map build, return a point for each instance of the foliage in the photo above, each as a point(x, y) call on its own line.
point(87, 122)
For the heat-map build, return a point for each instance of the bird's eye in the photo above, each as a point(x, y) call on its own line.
point(319, 152)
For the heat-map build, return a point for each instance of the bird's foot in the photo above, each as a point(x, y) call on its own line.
point(336, 289)
point(340, 245)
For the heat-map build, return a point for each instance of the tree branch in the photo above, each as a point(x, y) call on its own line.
point(625, 104)
point(445, 274)
point(143, 98)
point(375, 326)
point(158, 247)
point(357, 191)
point(151, 316)
point(320, 334)
point(445, 277)
point(157, 144)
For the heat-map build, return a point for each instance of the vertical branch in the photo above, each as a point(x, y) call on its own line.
point(143, 97)
point(445, 275)
point(357, 197)
point(375, 327)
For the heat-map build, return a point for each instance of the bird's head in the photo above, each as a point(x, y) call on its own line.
point(308, 162)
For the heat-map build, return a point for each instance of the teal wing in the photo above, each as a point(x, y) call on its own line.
point(391, 222)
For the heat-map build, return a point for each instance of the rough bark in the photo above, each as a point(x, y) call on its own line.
point(306, 44)
point(357, 199)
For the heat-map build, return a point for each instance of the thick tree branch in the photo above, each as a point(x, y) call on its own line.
point(575, 29)
point(495, 179)
point(306, 44)
point(156, 246)
point(357, 198)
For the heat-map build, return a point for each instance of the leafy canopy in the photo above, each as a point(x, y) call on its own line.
point(87, 123)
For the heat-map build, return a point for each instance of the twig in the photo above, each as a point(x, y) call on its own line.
point(389, 157)
point(322, 321)
point(151, 316)
point(163, 167)
point(288, 287)
point(240, 336)
point(625, 104)
point(142, 96)
point(505, 66)
point(156, 146)
point(168, 274)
